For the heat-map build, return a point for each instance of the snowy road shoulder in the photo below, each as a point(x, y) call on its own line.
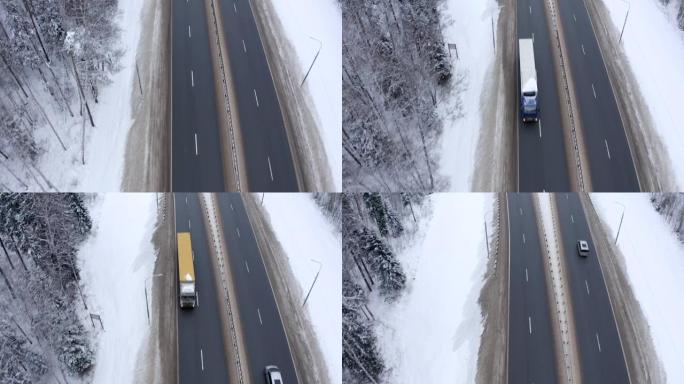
point(314, 252)
point(651, 32)
point(654, 262)
point(116, 264)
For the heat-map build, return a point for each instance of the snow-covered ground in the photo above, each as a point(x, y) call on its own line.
point(432, 332)
point(116, 264)
point(312, 244)
point(310, 25)
point(106, 143)
point(654, 261)
point(655, 49)
point(468, 24)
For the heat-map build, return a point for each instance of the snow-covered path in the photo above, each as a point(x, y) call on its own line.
point(468, 25)
point(116, 265)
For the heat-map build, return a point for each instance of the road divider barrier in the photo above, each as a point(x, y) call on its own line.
point(216, 236)
point(226, 100)
point(568, 97)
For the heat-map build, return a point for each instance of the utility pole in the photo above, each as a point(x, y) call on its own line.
point(320, 46)
point(147, 305)
point(629, 6)
point(486, 238)
point(619, 225)
point(320, 265)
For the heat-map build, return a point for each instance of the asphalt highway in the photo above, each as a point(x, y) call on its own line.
point(196, 162)
point(601, 356)
point(531, 354)
point(612, 167)
point(269, 160)
point(201, 354)
point(542, 162)
point(261, 323)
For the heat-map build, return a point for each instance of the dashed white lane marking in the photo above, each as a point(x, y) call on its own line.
point(521, 212)
point(598, 342)
point(189, 226)
point(529, 321)
point(259, 313)
point(526, 277)
point(189, 33)
point(256, 98)
point(244, 47)
point(247, 266)
point(270, 169)
point(192, 77)
point(238, 231)
point(523, 238)
point(196, 147)
point(530, 9)
point(574, 17)
point(235, 7)
point(583, 51)
point(607, 149)
point(202, 358)
point(593, 90)
point(231, 207)
point(572, 218)
point(587, 285)
point(540, 130)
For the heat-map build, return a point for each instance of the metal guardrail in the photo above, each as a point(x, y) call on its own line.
point(215, 234)
point(226, 99)
point(559, 293)
point(566, 86)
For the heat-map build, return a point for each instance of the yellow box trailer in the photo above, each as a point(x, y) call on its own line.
point(186, 271)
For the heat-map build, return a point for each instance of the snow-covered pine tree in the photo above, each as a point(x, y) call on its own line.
point(360, 357)
point(382, 262)
point(44, 231)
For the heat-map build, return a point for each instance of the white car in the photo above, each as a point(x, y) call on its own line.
point(273, 375)
point(583, 248)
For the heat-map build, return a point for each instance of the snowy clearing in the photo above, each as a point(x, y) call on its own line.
point(654, 261)
point(435, 327)
point(308, 34)
point(651, 32)
point(116, 265)
point(312, 244)
point(468, 24)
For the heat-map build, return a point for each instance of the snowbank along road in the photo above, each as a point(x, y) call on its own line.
point(545, 158)
point(196, 139)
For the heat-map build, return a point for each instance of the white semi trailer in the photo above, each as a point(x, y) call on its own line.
point(529, 106)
